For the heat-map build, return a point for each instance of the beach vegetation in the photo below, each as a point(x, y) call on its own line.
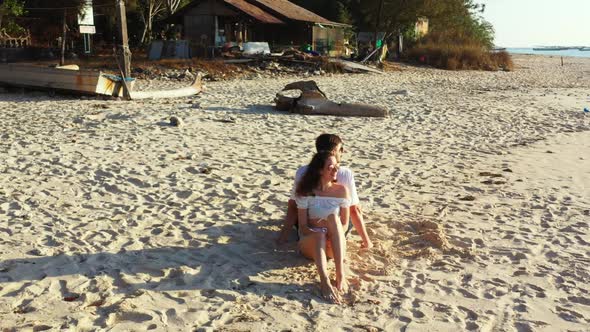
point(9, 10)
point(459, 56)
point(459, 37)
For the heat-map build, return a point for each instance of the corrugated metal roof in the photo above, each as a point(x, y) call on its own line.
point(259, 9)
point(292, 11)
point(254, 11)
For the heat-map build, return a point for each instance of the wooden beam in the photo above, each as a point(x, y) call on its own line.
point(123, 51)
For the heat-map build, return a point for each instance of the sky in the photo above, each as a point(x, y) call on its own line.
point(528, 23)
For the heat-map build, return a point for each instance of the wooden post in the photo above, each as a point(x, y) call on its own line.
point(215, 36)
point(62, 60)
point(313, 39)
point(212, 13)
point(400, 43)
point(378, 23)
point(123, 52)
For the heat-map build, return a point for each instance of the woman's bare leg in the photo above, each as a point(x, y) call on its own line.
point(336, 234)
point(313, 246)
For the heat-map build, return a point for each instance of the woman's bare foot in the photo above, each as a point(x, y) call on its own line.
point(367, 244)
point(342, 284)
point(282, 239)
point(329, 293)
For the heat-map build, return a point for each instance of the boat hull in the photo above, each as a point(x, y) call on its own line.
point(551, 49)
point(65, 79)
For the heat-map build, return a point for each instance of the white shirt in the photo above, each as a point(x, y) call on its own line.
point(319, 207)
point(344, 177)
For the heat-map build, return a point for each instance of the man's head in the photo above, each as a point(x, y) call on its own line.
point(330, 143)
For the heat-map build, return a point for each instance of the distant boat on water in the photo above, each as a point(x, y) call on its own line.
point(551, 48)
point(577, 51)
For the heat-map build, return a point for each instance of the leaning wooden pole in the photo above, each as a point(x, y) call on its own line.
point(123, 51)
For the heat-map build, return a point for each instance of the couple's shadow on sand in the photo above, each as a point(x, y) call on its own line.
point(241, 258)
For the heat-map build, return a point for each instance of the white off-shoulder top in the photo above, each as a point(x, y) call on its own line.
point(319, 207)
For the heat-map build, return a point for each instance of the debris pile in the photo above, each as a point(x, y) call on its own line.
point(252, 69)
point(289, 63)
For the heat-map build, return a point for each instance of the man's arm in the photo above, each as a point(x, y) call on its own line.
point(356, 214)
point(302, 221)
point(288, 223)
point(345, 211)
point(351, 184)
point(291, 217)
point(358, 222)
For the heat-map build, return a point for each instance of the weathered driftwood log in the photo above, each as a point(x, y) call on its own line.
point(194, 89)
point(313, 101)
point(68, 67)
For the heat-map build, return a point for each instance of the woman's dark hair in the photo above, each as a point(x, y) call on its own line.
point(311, 178)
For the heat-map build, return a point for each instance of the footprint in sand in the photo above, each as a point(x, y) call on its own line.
point(138, 183)
point(522, 308)
point(136, 317)
point(570, 315)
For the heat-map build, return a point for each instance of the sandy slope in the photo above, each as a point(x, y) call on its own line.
point(477, 192)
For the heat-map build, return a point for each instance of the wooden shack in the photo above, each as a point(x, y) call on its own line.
point(210, 25)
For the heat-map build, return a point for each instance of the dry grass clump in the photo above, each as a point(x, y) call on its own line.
point(387, 66)
point(460, 57)
point(503, 60)
point(329, 66)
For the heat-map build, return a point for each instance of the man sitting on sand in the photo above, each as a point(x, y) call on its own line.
point(332, 143)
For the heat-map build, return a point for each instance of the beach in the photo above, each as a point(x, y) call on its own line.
point(476, 193)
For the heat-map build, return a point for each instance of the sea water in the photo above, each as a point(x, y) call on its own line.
point(572, 52)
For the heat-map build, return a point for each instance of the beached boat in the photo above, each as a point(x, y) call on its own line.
point(195, 88)
point(72, 79)
point(551, 48)
point(67, 78)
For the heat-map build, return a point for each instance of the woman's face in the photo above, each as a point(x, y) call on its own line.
point(330, 169)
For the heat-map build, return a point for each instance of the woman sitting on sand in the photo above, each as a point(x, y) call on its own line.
point(321, 204)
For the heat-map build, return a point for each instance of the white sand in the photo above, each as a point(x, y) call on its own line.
point(476, 190)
